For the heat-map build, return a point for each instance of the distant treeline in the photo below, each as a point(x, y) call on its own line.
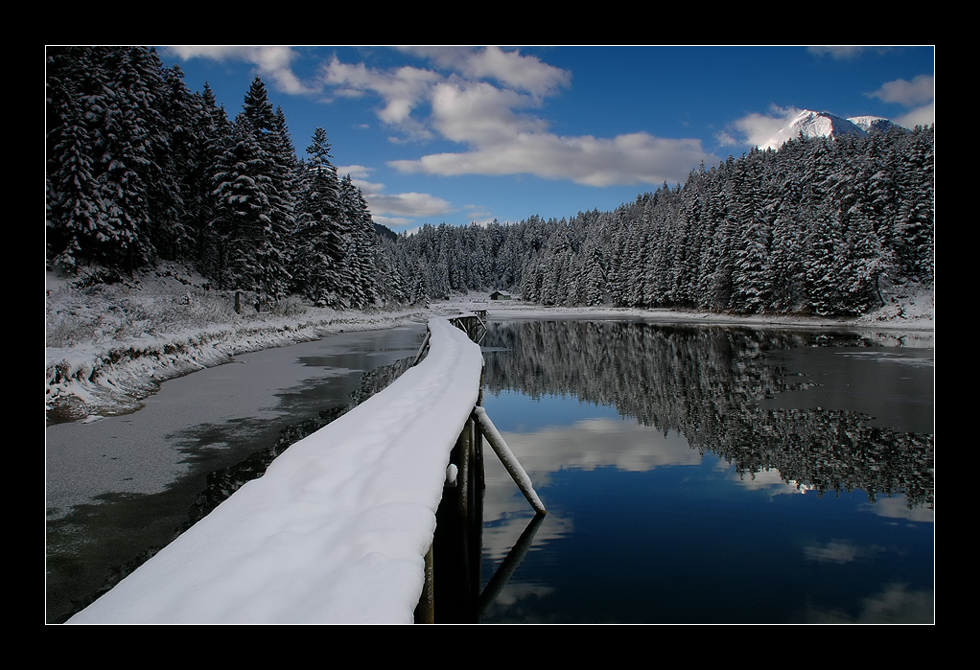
point(818, 227)
point(140, 169)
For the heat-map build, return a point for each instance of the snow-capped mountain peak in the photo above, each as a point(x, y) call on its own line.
point(825, 124)
point(873, 124)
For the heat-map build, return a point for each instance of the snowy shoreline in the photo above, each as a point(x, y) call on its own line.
point(910, 322)
point(113, 378)
point(114, 348)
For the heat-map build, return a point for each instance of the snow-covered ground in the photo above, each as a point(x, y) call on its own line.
point(907, 320)
point(338, 540)
point(106, 348)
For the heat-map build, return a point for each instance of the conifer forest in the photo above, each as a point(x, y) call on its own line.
point(140, 169)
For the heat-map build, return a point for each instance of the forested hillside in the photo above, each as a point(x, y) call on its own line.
point(140, 169)
point(821, 226)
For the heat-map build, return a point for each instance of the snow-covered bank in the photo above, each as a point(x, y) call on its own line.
point(109, 347)
point(336, 530)
point(114, 377)
point(909, 320)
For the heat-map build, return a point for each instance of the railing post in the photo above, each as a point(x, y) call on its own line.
point(458, 540)
point(425, 610)
point(508, 458)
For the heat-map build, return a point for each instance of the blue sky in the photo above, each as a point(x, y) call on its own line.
point(461, 134)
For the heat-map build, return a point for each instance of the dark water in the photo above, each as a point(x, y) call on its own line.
point(120, 489)
point(711, 475)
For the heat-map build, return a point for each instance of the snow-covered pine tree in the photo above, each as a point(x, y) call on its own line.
point(210, 136)
point(594, 290)
point(751, 242)
point(392, 273)
point(421, 293)
point(362, 242)
point(915, 219)
point(173, 231)
point(74, 205)
point(103, 121)
point(823, 262)
point(718, 289)
point(286, 181)
point(252, 211)
point(321, 249)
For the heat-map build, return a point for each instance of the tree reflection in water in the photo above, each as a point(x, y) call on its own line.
point(638, 531)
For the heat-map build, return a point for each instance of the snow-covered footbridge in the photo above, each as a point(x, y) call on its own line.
point(338, 528)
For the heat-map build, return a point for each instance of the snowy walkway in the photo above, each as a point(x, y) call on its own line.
point(336, 530)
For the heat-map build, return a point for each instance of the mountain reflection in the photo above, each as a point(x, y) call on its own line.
point(710, 384)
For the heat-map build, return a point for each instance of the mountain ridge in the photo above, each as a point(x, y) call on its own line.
point(825, 124)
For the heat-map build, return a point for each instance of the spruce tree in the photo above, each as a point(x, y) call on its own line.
point(361, 256)
point(210, 137)
point(322, 248)
point(104, 125)
point(252, 212)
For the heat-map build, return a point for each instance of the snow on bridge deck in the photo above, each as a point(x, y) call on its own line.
point(337, 529)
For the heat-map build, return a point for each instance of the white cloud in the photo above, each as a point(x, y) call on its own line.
point(920, 90)
point(479, 215)
point(398, 204)
point(626, 159)
point(763, 480)
point(847, 51)
point(479, 98)
point(408, 204)
point(897, 507)
point(494, 122)
point(920, 116)
point(510, 68)
point(918, 94)
point(835, 551)
point(726, 139)
point(757, 129)
point(479, 113)
point(598, 443)
point(393, 208)
point(402, 90)
point(356, 172)
point(273, 63)
point(840, 52)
